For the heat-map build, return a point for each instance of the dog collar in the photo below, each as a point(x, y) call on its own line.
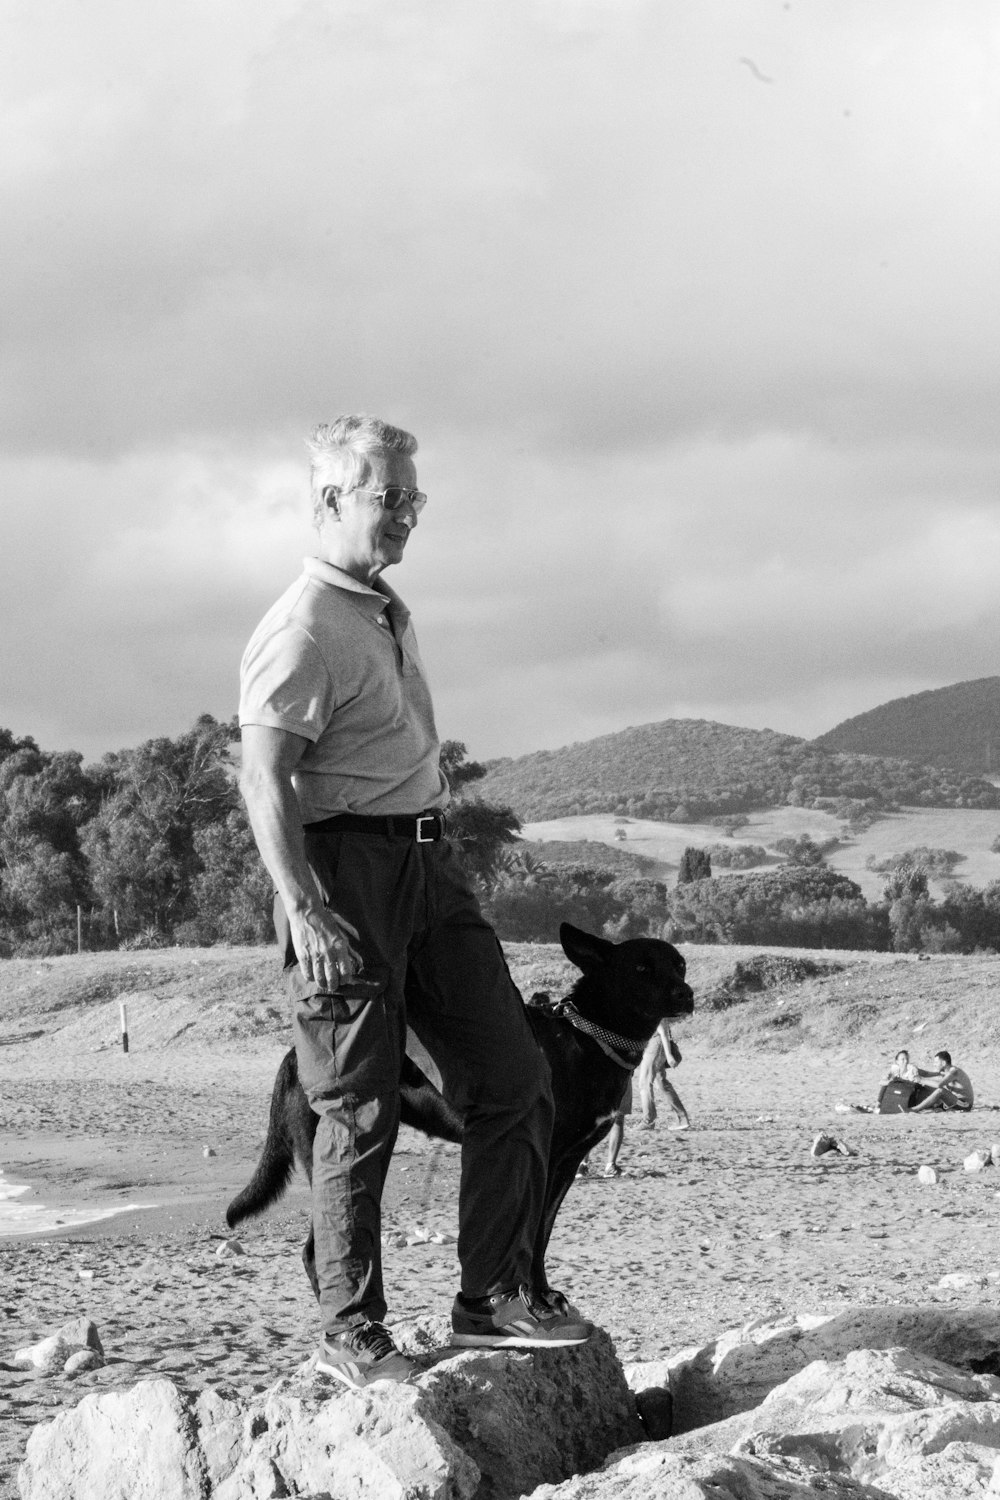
point(623, 1050)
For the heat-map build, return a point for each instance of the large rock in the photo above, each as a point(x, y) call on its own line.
point(868, 1415)
point(736, 1371)
point(489, 1423)
point(154, 1443)
point(875, 1424)
point(652, 1473)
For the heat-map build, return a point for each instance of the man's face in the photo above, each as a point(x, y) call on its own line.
point(362, 537)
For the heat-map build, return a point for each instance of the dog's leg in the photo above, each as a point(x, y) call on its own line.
point(561, 1176)
point(309, 1261)
point(424, 1107)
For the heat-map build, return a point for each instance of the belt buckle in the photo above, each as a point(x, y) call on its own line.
point(427, 818)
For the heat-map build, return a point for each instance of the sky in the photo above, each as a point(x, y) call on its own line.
point(693, 309)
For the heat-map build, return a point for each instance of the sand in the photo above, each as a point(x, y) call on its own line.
point(704, 1230)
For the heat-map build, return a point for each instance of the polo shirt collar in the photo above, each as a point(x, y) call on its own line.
point(327, 573)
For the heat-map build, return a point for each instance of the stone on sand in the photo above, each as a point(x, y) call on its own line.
point(977, 1160)
point(52, 1354)
point(229, 1249)
point(927, 1176)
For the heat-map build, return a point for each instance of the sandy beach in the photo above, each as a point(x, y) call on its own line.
point(704, 1230)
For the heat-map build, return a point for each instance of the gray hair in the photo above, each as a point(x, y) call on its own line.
point(340, 452)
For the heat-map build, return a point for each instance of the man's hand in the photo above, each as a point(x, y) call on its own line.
point(321, 938)
point(323, 946)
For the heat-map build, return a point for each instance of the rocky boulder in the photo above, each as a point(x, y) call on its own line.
point(654, 1474)
point(880, 1424)
point(493, 1424)
point(735, 1372)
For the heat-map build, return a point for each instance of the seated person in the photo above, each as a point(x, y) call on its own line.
point(901, 1068)
point(951, 1088)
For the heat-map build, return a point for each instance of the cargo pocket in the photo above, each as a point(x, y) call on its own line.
point(346, 1048)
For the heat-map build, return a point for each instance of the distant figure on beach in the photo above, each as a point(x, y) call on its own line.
point(900, 1067)
point(661, 1053)
point(379, 924)
point(950, 1087)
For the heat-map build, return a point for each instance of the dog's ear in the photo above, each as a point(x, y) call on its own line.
point(583, 949)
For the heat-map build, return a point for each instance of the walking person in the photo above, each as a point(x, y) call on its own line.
point(378, 922)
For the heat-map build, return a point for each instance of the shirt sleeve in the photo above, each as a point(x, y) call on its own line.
point(286, 684)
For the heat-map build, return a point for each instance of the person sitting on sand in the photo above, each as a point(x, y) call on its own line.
point(951, 1088)
point(901, 1067)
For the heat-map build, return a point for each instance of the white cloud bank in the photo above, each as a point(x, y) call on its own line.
point(692, 308)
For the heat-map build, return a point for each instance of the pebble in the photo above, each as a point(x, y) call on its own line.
point(83, 1359)
point(927, 1176)
point(209, 1151)
point(976, 1161)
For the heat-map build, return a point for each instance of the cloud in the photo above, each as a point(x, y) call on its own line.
point(502, 218)
point(701, 365)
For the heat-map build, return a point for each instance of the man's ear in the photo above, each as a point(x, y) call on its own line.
point(330, 497)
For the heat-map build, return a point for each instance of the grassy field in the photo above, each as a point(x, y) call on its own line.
point(969, 832)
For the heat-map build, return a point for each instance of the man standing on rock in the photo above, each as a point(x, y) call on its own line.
point(342, 781)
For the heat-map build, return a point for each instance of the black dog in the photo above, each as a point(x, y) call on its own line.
point(592, 1041)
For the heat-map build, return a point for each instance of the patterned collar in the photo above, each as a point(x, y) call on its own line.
point(623, 1050)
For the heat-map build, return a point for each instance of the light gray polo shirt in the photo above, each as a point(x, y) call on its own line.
point(337, 663)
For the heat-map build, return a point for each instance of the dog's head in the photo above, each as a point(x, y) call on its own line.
point(629, 987)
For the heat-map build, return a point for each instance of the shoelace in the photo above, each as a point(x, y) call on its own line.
point(373, 1339)
point(538, 1309)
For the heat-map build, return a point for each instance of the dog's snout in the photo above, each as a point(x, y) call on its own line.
point(684, 996)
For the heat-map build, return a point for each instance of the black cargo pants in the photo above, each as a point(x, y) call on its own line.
point(420, 926)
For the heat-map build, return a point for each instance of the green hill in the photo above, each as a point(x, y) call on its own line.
point(686, 769)
point(957, 726)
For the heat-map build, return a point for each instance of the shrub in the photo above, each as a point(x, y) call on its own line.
point(736, 856)
point(792, 906)
point(938, 863)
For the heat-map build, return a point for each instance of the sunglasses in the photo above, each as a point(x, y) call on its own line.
point(394, 497)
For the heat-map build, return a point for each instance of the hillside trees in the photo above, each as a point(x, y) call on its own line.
point(141, 846)
point(45, 800)
point(695, 864)
point(714, 770)
point(791, 906)
point(528, 901)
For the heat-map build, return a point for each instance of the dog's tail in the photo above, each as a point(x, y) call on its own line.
point(277, 1160)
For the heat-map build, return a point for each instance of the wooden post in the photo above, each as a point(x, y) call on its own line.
point(123, 1012)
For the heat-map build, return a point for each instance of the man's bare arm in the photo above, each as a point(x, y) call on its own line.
point(321, 938)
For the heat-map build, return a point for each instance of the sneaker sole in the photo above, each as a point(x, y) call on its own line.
point(514, 1341)
point(357, 1378)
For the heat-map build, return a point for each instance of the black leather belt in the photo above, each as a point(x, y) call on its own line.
point(425, 828)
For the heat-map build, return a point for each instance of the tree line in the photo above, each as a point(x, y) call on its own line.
point(152, 846)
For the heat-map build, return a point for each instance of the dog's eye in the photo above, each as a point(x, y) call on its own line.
point(643, 969)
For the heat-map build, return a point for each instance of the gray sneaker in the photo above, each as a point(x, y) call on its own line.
point(514, 1320)
point(360, 1355)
